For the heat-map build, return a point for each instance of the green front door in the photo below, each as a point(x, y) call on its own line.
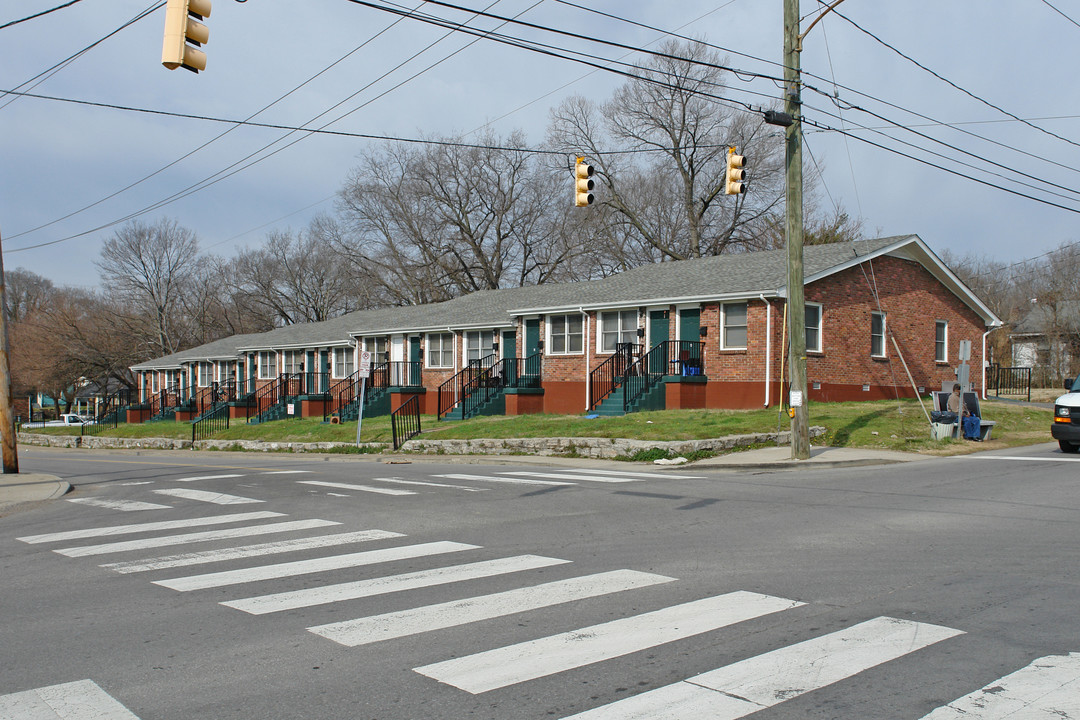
point(414, 361)
point(658, 334)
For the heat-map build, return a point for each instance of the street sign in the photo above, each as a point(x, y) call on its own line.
point(365, 364)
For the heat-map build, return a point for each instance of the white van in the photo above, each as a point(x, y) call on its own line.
point(1066, 427)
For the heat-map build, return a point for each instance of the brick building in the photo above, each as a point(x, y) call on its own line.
point(704, 333)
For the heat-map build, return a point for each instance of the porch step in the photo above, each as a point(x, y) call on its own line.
point(495, 405)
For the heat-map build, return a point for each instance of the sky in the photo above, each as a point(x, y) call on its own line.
point(65, 169)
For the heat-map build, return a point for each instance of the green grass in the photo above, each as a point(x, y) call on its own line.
point(885, 424)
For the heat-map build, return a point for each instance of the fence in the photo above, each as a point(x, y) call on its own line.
point(1009, 381)
point(405, 421)
point(211, 423)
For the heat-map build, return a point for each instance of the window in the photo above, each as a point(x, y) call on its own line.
point(440, 350)
point(204, 374)
point(941, 341)
point(564, 332)
point(152, 383)
point(267, 365)
point(733, 332)
point(616, 328)
point(172, 378)
point(813, 327)
point(478, 344)
point(343, 361)
point(292, 362)
point(377, 347)
point(877, 334)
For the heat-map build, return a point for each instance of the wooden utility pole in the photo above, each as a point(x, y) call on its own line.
point(7, 415)
point(793, 234)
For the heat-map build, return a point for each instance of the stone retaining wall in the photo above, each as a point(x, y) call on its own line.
point(582, 447)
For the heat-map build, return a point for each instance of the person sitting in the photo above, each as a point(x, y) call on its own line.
point(969, 423)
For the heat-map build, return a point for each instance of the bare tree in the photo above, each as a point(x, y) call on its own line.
point(660, 147)
point(150, 266)
point(443, 220)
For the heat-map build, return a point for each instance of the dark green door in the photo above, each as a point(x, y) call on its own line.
point(658, 333)
point(689, 332)
point(532, 336)
point(509, 344)
point(414, 361)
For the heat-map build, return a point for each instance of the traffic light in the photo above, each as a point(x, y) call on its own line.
point(583, 183)
point(736, 176)
point(182, 27)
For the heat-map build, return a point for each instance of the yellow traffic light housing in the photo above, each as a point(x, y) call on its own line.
point(583, 183)
point(735, 183)
point(182, 27)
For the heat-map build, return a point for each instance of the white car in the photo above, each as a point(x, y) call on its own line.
point(1066, 427)
point(66, 420)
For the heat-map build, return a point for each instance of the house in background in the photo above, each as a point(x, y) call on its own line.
point(1047, 339)
point(703, 333)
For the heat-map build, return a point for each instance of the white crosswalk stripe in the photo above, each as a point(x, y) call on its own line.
point(642, 475)
point(309, 597)
point(461, 612)
point(399, 481)
point(148, 527)
point(307, 567)
point(537, 658)
point(353, 486)
point(285, 472)
point(121, 505)
point(1047, 688)
point(497, 479)
point(206, 496)
point(760, 682)
point(206, 477)
point(82, 700)
point(205, 536)
point(246, 551)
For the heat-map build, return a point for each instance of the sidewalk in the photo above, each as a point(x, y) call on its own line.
point(779, 458)
point(29, 487)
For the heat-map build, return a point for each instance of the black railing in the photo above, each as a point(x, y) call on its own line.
point(211, 423)
point(344, 395)
point(111, 412)
point(405, 421)
point(606, 377)
point(455, 390)
point(522, 372)
point(207, 398)
point(638, 374)
point(1010, 381)
point(165, 401)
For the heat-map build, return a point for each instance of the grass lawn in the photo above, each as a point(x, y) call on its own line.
point(885, 424)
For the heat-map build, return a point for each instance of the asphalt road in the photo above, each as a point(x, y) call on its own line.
point(881, 592)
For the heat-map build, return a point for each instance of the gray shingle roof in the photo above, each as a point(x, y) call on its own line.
point(735, 275)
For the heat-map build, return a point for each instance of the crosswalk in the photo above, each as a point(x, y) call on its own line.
point(1048, 687)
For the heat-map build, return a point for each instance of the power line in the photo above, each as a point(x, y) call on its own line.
point(210, 141)
point(37, 15)
point(49, 72)
point(945, 80)
point(1047, 4)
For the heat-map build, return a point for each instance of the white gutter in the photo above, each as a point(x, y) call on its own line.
point(686, 300)
point(768, 346)
point(992, 329)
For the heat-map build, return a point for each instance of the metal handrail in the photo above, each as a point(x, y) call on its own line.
point(407, 416)
point(455, 390)
point(606, 377)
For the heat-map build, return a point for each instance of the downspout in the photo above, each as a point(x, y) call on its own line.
point(768, 345)
point(983, 381)
point(585, 345)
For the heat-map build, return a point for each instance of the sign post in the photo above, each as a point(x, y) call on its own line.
point(364, 371)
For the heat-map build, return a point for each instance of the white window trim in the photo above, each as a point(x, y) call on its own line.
point(884, 334)
point(199, 374)
point(619, 331)
point(723, 325)
point(547, 336)
point(337, 368)
point(263, 366)
point(820, 328)
point(465, 347)
point(945, 341)
point(428, 354)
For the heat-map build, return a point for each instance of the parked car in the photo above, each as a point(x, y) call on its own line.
point(1066, 427)
point(65, 420)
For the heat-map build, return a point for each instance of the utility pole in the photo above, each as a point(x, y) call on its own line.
point(793, 234)
point(7, 416)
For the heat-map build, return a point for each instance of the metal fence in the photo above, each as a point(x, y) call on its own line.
point(405, 421)
point(1009, 381)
